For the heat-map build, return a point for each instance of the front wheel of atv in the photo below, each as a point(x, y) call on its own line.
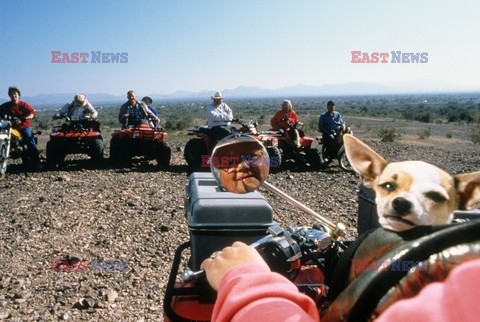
point(194, 150)
point(96, 150)
point(313, 159)
point(3, 158)
point(55, 155)
point(114, 151)
point(275, 155)
point(164, 154)
point(343, 160)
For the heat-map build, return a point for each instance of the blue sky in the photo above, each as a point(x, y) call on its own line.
point(203, 44)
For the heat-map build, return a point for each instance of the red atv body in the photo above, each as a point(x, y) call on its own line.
point(195, 301)
point(305, 154)
point(74, 137)
point(139, 140)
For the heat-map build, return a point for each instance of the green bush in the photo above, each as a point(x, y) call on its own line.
point(475, 135)
point(449, 135)
point(424, 134)
point(388, 134)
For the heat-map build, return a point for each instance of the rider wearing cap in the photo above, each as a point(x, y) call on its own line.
point(149, 102)
point(219, 116)
point(78, 109)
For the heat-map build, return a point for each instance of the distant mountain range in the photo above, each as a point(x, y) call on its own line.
point(355, 88)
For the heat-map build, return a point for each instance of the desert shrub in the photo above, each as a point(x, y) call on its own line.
point(311, 124)
point(177, 123)
point(424, 134)
point(261, 119)
point(388, 134)
point(448, 135)
point(475, 135)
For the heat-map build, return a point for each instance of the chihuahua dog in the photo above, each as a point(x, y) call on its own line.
point(412, 193)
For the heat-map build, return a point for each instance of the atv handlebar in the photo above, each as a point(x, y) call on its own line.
point(290, 245)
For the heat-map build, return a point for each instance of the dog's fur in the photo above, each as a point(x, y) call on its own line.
point(412, 193)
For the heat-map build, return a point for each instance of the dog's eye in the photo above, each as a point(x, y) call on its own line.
point(435, 196)
point(389, 186)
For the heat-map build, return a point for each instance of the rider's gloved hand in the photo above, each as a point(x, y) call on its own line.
point(55, 116)
point(282, 131)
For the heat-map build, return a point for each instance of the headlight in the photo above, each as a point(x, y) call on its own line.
point(4, 124)
point(158, 136)
point(135, 135)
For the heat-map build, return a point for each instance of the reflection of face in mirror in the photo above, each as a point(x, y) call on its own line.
point(241, 166)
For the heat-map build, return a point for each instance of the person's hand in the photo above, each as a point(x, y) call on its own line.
point(230, 257)
point(55, 116)
point(281, 131)
point(333, 131)
point(125, 116)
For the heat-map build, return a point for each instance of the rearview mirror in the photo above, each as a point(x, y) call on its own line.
point(240, 163)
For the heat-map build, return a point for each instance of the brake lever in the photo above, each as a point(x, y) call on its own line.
point(188, 275)
point(273, 231)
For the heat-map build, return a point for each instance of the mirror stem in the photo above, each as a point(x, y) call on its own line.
point(338, 230)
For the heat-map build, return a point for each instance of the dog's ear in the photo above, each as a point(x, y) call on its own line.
point(366, 162)
point(468, 189)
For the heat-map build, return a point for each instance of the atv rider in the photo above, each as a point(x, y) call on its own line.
point(81, 110)
point(219, 115)
point(284, 119)
point(24, 112)
point(249, 291)
point(148, 101)
point(330, 124)
point(134, 112)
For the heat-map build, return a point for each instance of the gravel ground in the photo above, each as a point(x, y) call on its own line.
point(137, 216)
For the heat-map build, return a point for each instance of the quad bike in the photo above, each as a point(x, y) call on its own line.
point(80, 136)
point(269, 140)
point(315, 258)
point(12, 145)
point(139, 140)
point(337, 151)
point(305, 154)
point(204, 144)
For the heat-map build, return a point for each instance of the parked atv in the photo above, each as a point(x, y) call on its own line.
point(12, 145)
point(305, 154)
point(204, 144)
point(337, 151)
point(269, 139)
point(139, 140)
point(81, 136)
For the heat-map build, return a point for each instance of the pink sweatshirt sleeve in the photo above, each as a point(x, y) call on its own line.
point(251, 292)
point(456, 299)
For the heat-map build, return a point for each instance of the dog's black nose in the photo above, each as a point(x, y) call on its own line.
point(402, 206)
